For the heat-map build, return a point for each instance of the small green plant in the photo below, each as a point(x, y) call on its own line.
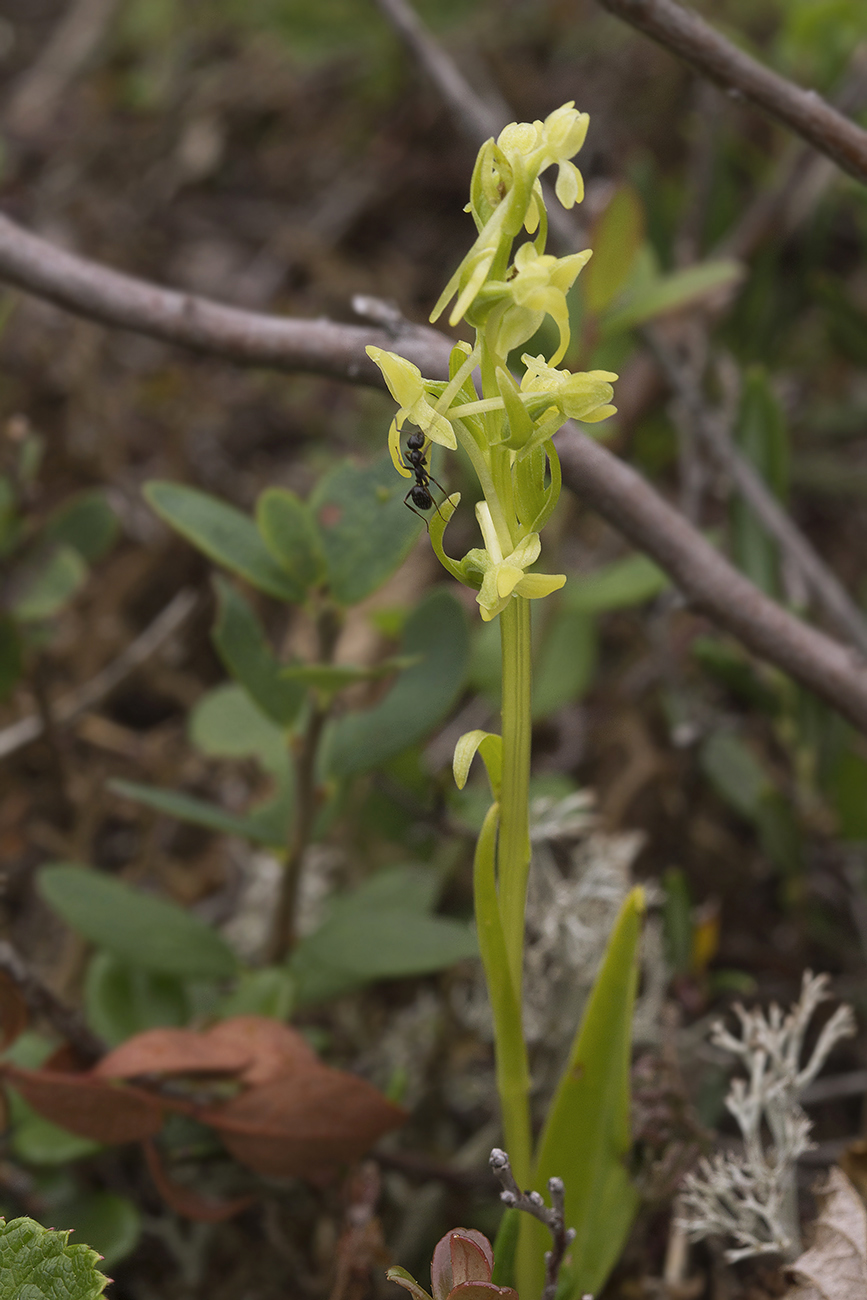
point(506, 431)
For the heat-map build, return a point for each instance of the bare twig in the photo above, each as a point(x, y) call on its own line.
point(803, 111)
point(247, 338)
point(827, 592)
point(38, 93)
point(93, 692)
point(553, 1216)
point(601, 480)
point(42, 1002)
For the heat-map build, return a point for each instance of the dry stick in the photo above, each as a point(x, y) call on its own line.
point(552, 1217)
point(804, 111)
point(827, 592)
point(93, 692)
point(602, 481)
point(39, 91)
point(42, 1002)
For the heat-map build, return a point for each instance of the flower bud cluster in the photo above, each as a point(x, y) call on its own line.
point(506, 430)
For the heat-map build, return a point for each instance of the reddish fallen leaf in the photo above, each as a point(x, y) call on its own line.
point(185, 1200)
point(272, 1048)
point(305, 1125)
point(14, 1012)
point(87, 1106)
point(172, 1051)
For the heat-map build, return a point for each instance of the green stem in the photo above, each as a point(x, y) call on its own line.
point(513, 859)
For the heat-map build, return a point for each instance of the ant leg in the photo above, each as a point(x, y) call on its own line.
point(417, 512)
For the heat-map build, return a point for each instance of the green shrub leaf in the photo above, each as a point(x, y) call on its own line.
point(287, 529)
point(39, 1264)
point(241, 644)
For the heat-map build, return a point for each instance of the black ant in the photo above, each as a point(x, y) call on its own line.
point(420, 490)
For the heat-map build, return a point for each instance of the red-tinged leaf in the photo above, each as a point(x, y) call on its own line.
point(14, 1013)
point(462, 1255)
point(172, 1051)
point(88, 1107)
point(185, 1200)
point(482, 1291)
point(272, 1049)
point(305, 1125)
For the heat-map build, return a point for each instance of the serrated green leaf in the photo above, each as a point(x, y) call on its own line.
point(87, 523)
point(37, 1263)
point(137, 928)
point(267, 825)
point(121, 1000)
point(225, 535)
point(586, 1138)
point(421, 697)
point(366, 530)
point(287, 528)
point(241, 644)
point(52, 585)
point(670, 293)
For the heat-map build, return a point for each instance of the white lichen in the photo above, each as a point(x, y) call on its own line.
point(750, 1198)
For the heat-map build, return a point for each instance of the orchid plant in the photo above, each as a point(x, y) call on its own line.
point(506, 428)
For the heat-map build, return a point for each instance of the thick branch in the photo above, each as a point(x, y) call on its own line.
point(602, 481)
point(803, 111)
point(249, 338)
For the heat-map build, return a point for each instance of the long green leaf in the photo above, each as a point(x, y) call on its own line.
point(139, 929)
point(262, 827)
point(586, 1137)
point(670, 293)
point(225, 535)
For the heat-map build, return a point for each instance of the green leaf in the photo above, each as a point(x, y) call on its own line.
point(670, 293)
point(122, 1000)
point(225, 723)
point(567, 663)
point(53, 584)
point(421, 697)
point(225, 535)
point(137, 928)
point(366, 530)
point(110, 1223)
point(489, 747)
point(269, 991)
point(39, 1264)
point(849, 795)
point(267, 825)
point(735, 773)
point(331, 678)
point(11, 656)
point(356, 947)
point(615, 240)
point(287, 529)
point(630, 581)
point(383, 930)
point(241, 644)
point(586, 1138)
point(87, 523)
point(677, 921)
point(760, 433)
point(36, 1141)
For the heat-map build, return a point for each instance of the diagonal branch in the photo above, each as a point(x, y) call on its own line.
point(803, 111)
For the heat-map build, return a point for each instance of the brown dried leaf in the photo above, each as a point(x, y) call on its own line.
point(270, 1048)
point(306, 1124)
point(835, 1266)
point(87, 1106)
point(185, 1200)
point(173, 1051)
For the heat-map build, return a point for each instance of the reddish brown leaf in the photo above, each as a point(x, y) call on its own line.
point(173, 1051)
point(185, 1200)
point(271, 1048)
point(86, 1106)
point(14, 1013)
point(305, 1125)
